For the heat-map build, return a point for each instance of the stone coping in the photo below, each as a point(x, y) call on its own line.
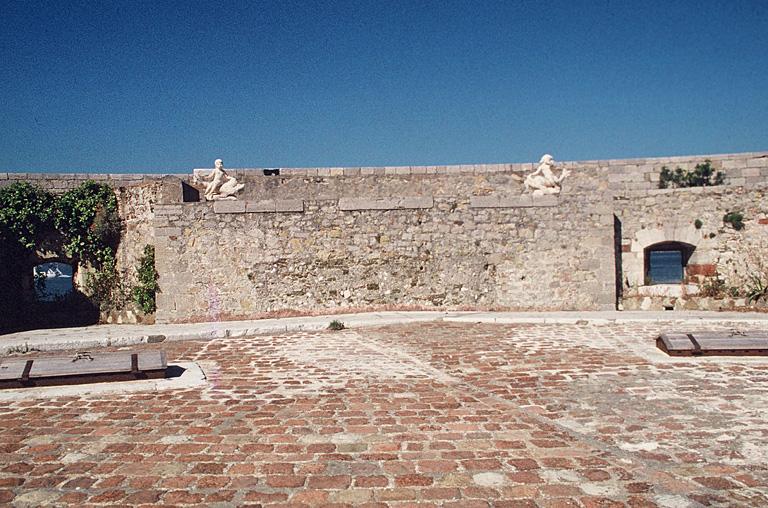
point(711, 189)
point(754, 157)
point(127, 335)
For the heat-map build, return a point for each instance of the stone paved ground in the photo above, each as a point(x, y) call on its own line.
point(428, 414)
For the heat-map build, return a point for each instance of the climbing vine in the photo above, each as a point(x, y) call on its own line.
point(145, 291)
point(26, 215)
point(87, 217)
point(84, 221)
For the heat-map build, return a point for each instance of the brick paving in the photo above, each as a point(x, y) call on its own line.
point(432, 414)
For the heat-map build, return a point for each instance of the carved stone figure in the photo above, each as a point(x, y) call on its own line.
point(544, 180)
point(220, 185)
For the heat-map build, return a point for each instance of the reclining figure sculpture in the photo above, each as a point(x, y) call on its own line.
point(220, 185)
point(544, 180)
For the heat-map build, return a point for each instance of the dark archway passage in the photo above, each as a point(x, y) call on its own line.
point(39, 291)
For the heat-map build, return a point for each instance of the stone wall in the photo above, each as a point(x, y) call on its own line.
point(223, 261)
point(464, 236)
point(721, 252)
point(618, 176)
point(62, 182)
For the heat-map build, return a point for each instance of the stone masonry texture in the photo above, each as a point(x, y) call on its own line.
point(437, 414)
point(311, 239)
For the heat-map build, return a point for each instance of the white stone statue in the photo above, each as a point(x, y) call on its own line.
point(220, 185)
point(544, 180)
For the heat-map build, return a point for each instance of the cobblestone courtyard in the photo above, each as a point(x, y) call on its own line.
point(431, 414)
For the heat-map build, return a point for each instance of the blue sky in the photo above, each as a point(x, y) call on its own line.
point(168, 86)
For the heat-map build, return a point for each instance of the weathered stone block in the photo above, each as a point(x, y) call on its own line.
point(289, 205)
point(751, 171)
point(522, 201)
point(229, 206)
point(546, 200)
point(351, 204)
point(168, 231)
point(267, 205)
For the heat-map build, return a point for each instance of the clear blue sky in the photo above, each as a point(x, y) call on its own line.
point(168, 86)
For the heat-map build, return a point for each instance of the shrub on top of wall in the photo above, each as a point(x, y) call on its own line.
point(702, 176)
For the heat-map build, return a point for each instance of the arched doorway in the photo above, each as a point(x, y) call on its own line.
point(53, 281)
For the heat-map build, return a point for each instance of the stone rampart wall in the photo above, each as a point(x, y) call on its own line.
point(429, 236)
point(618, 176)
point(221, 261)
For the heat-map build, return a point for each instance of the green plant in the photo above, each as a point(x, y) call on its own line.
point(26, 214)
point(336, 325)
point(21, 349)
point(713, 287)
point(84, 223)
point(697, 223)
point(735, 219)
point(702, 176)
point(144, 293)
point(105, 285)
point(88, 218)
point(757, 287)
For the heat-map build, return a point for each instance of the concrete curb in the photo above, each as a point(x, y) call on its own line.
point(128, 335)
point(192, 377)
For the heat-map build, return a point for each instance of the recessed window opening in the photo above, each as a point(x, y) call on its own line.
point(665, 262)
point(53, 281)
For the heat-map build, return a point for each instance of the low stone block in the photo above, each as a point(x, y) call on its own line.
point(752, 171)
point(407, 203)
point(168, 231)
point(229, 206)
point(547, 200)
point(415, 202)
point(267, 205)
point(165, 210)
point(484, 202)
point(523, 201)
point(289, 205)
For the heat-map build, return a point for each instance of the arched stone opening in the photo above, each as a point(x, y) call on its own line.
point(44, 290)
point(664, 267)
point(666, 262)
point(53, 281)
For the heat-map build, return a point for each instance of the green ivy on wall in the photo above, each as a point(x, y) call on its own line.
point(26, 215)
point(146, 289)
point(84, 220)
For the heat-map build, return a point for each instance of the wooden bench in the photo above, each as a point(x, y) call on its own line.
point(735, 343)
point(80, 368)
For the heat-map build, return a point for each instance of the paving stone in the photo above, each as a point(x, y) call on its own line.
point(433, 413)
